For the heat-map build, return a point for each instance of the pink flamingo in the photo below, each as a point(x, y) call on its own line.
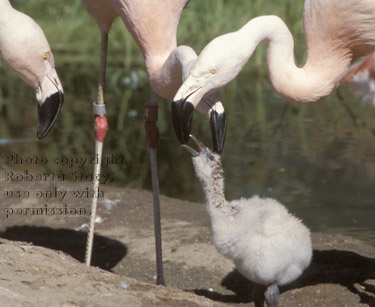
point(153, 25)
point(25, 49)
point(337, 33)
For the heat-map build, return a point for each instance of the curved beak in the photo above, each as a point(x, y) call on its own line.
point(50, 96)
point(192, 151)
point(218, 126)
point(182, 116)
point(184, 102)
point(183, 105)
point(48, 112)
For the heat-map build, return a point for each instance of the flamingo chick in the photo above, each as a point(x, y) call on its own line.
point(25, 49)
point(268, 245)
point(337, 33)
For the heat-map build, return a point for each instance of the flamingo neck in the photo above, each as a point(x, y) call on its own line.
point(314, 81)
point(153, 25)
point(5, 7)
point(213, 187)
point(103, 12)
point(167, 77)
point(5, 3)
point(215, 196)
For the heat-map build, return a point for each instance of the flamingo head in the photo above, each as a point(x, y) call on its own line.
point(217, 65)
point(206, 162)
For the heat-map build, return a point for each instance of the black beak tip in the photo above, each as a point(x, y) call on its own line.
point(182, 116)
point(218, 130)
point(48, 113)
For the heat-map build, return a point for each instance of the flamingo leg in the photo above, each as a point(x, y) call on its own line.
point(258, 295)
point(101, 128)
point(272, 295)
point(152, 132)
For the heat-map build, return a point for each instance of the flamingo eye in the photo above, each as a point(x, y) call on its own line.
point(213, 71)
point(45, 55)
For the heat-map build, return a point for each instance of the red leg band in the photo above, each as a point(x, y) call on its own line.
point(101, 127)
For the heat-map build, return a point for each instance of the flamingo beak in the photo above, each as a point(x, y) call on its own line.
point(200, 145)
point(48, 112)
point(50, 96)
point(182, 116)
point(218, 125)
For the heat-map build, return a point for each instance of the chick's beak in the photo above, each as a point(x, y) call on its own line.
point(201, 147)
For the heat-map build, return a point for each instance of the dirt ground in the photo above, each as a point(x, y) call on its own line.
point(41, 257)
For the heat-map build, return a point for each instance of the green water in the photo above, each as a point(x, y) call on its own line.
point(319, 160)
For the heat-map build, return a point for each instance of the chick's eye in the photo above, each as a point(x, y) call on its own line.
point(211, 158)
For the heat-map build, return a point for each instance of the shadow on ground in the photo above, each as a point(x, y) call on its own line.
point(344, 268)
point(106, 252)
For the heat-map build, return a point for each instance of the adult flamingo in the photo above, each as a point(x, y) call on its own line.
point(153, 25)
point(337, 33)
point(25, 49)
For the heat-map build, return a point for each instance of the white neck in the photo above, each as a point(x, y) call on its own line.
point(213, 187)
point(215, 194)
point(314, 81)
point(4, 3)
point(4, 9)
